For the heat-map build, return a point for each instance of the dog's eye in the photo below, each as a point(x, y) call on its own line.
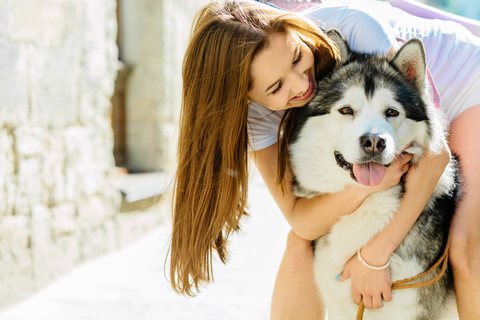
point(392, 113)
point(346, 110)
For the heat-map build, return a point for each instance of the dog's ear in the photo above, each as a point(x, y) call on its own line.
point(337, 37)
point(411, 61)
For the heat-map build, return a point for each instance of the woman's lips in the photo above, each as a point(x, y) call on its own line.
point(307, 93)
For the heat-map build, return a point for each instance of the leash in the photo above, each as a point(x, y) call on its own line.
point(403, 284)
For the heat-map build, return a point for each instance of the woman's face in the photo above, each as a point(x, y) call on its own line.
point(283, 73)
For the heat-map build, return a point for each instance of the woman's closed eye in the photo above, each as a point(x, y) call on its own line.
point(280, 84)
point(298, 59)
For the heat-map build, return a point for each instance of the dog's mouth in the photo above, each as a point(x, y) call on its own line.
point(342, 163)
point(369, 173)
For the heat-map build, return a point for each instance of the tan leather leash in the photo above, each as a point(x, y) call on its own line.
point(403, 284)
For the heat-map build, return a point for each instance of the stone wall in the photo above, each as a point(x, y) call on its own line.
point(58, 61)
point(153, 40)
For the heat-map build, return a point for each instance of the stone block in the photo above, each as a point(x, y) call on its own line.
point(16, 280)
point(93, 243)
point(112, 196)
point(6, 17)
point(47, 23)
point(91, 100)
point(53, 166)
point(54, 87)
point(29, 191)
point(29, 141)
point(93, 212)
point(13, 83)
point(64, 254)
point(41, 221)
point(7, 173)
point(64, 220)
point(85, 164)
point(100, 44)
point(15, 238)
point(41, 244)
point(94, 25)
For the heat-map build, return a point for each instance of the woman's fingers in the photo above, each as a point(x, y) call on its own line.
point(405, 168)
point(367, 301)
point(357, 297)
point(404, 158)
point(377, 302)
point(387, 296)
point(373, 302)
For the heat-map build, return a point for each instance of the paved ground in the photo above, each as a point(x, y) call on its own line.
point(130, 284)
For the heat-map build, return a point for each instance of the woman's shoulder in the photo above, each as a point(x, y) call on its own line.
point(262, 125)
point(256, 110)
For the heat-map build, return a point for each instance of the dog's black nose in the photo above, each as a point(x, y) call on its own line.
point(372, 143)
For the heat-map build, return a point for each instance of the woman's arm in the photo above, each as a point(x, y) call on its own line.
point(312, 218)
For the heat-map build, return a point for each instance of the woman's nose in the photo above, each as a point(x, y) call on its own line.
point(300, 82)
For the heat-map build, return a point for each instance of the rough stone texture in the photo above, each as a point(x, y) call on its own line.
point(58, 207)
point(153, 40)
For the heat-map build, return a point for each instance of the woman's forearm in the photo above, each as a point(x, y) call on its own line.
point(309, 218)
point(312, 218)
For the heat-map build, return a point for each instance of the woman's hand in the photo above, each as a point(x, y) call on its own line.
point(371, 285)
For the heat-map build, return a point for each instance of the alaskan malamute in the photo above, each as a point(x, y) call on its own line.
point(366, 111)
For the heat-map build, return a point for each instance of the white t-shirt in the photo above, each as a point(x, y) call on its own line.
point(453, 55)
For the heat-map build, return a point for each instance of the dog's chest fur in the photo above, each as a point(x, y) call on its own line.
point(353, 231)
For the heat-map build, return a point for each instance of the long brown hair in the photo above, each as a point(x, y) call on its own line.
point(210, 192)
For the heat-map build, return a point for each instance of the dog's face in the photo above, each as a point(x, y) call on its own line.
point(367, 111)
point(366, 132)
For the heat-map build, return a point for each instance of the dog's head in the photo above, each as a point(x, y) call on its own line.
point(366, 111)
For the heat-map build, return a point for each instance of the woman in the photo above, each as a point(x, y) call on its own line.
point(247, 65)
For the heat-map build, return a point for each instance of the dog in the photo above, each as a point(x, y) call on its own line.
point(367, 110)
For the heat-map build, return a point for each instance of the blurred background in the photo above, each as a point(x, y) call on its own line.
point(466, 8)
point(89, 101)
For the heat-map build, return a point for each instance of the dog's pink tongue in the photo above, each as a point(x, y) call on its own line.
point(369, 174)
